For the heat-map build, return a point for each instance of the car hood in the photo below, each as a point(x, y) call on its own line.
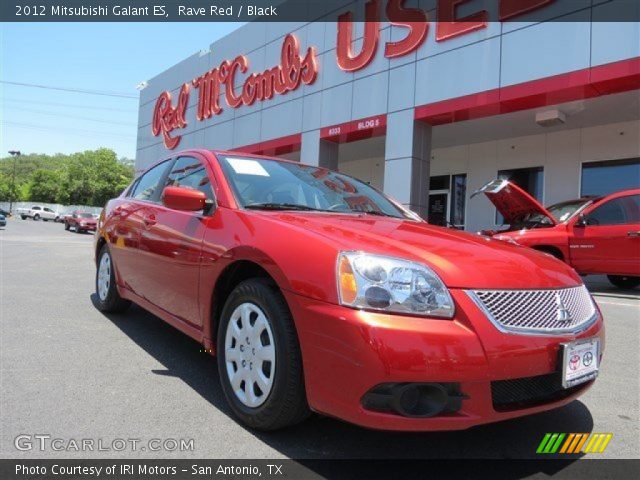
point(513, 203)
point(461, 259)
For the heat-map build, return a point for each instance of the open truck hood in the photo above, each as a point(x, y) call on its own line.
point(513, 202)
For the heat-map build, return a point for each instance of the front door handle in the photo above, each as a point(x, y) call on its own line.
point(633, 234)
point(149, 220)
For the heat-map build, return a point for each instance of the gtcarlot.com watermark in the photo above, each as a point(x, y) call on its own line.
point(45, 442)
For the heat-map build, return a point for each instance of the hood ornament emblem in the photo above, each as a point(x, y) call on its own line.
point(562, 313)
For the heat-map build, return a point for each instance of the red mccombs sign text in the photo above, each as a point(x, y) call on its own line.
point(295, 69)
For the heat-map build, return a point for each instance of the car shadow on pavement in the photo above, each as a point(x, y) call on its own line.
point(322, 437)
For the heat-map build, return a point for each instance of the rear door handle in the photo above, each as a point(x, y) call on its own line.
point(150, 220)
point(633, 234)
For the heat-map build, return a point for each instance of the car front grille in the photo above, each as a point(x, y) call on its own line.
point(528, 392)
point(566, 310)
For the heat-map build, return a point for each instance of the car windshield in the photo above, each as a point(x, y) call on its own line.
point(565, 210)
point(85, 215)
point(269, 184)
point(561, 213)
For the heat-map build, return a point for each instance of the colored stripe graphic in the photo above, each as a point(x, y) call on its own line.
point(567, 443)
point(543, 443)
point(578, 448)
point(550, 443)
point(574, 442)
point(555, 447)
point(606, 441)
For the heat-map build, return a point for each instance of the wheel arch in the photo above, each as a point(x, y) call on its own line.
point(100, 242)
point(230, 277)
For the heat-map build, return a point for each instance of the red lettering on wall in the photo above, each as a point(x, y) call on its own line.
point(167, 118)
point(293, 71)
point(208, 100)
point(512, 8)
point(347, 59)
point(412, 18)
point(450, 26)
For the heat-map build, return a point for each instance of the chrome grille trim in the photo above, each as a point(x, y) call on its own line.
point(536, 312)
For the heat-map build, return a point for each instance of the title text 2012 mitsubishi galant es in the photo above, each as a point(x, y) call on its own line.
point(319, 293)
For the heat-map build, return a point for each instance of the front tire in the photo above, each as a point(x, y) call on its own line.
point(108, 298)
point(259, 357)
point(626, 282)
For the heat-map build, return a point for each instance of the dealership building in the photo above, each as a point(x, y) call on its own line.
point(428, 112)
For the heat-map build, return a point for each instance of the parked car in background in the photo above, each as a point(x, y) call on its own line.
point(3, 220)
point(6, 213)
point(36, 212)
point(319, 293)
point(81, 222)
point(595, 235)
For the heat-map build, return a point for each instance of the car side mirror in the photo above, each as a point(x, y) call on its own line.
point(185, 199)
point(582, 221)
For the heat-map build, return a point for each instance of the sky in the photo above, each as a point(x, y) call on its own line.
point(104, 57)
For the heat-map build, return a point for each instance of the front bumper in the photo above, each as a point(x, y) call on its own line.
point(348, 352)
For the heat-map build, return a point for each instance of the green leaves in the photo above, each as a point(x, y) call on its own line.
point(84, 178)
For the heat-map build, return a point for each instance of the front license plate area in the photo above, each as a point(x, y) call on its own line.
point(579, 361)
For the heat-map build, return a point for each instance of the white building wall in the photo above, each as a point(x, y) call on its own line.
point(500, 55)
point(560, 153)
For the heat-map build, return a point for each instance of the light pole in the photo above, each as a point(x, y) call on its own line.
point(15, 154)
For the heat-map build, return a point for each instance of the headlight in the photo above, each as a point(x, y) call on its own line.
point(377, 282)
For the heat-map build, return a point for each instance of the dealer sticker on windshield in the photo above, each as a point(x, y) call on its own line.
point(579, 361)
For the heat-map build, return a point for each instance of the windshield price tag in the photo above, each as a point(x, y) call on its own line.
point(243, 166)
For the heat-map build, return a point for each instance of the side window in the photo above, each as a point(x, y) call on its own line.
point(188, 172)
point(48, 210)
point(147, 187)
point(619, 211)
point(36, 208)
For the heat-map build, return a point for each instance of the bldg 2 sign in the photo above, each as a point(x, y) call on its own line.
point(295, 69)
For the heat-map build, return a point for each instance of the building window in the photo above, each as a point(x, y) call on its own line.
point(603, 178)
point(447, 200)
point(458, 199)
point(529, 179)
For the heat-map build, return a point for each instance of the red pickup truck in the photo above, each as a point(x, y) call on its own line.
point(595, 235)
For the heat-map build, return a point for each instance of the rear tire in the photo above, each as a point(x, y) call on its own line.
point(275, 354)
point(66, 226)
point(36, 217)
point(626, 282)
point(24, 217)
point(108, 298)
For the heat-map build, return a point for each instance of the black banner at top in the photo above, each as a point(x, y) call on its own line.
point(317, 10)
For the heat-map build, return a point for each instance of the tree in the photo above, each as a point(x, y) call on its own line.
point(44, 186)
point(83, 178)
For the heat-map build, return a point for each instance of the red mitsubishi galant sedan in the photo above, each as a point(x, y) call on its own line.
point(319, 293)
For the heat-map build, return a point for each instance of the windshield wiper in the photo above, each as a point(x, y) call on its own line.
point(379, 214)
point(279, 206)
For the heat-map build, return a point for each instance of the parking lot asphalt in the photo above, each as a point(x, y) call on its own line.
point(70, 372)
